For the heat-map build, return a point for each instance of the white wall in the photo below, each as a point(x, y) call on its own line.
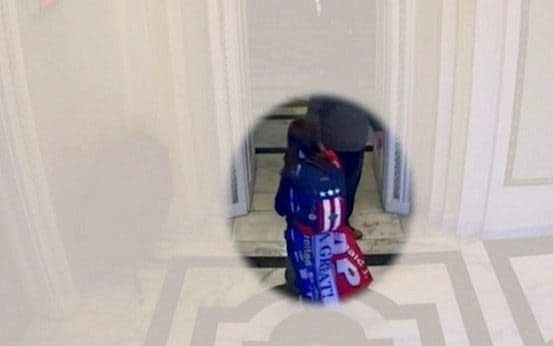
point(452, 97)
point(124, 101)
point(423, 116)
point(124, 117)
point(534, 127)
point(100, 84)
point(493, 179)
point(294, 51)
point(520, 200)
point(16, 312)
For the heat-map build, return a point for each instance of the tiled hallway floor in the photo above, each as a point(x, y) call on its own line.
point(440, 290)
point(480, 293)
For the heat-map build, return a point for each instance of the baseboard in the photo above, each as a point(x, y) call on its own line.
point(397, 207)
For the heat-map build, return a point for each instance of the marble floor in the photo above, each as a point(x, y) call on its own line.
point(482, 293)
point(440, 290)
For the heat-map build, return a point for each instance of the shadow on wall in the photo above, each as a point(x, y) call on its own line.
point(125, 203)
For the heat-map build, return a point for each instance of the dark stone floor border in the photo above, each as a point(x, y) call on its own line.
point(471, 313)
point(500, 253)
point(280, 261)
point(275, 150)
point(426, 316)
point(284, 117)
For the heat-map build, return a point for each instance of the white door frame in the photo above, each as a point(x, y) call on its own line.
point(470, 68)
point(396, 19)
point(445, 112)
point(493, 45)
point(396, 23)
point(454, 103)
point(515, 207)
point(228, 83)
point(27, 214)
point(494, 79)
point(229, 54)
point(396, 77)
point(481, 134)
point(229, 61)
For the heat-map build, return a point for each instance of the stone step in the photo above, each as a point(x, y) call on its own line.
point(268, 226)
point(369, 246)
point(278, 248)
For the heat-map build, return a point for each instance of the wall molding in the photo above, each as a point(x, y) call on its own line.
point(511, 206)
point(219, 61)
point(510, 179)
point(396, 39)
point(445, 111)
point(233, 104)
point(185, 125)
point(221, 50)
point(34, 233)
point(490, 29)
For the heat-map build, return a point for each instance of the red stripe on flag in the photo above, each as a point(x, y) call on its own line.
point(343, 208)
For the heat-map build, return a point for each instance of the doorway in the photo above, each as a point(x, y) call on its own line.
point(280, 49)
point(374, 69)
point(259, 231)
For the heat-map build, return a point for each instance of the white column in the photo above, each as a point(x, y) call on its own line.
point(482, 126)
point(26, 207)
point(211, 107)
point(446, 95)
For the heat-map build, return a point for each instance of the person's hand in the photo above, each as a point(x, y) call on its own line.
point(332, 158)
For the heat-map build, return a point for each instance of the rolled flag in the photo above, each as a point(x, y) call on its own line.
point(329, 267)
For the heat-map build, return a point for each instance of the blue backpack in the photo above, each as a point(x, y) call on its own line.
point(319, 202)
